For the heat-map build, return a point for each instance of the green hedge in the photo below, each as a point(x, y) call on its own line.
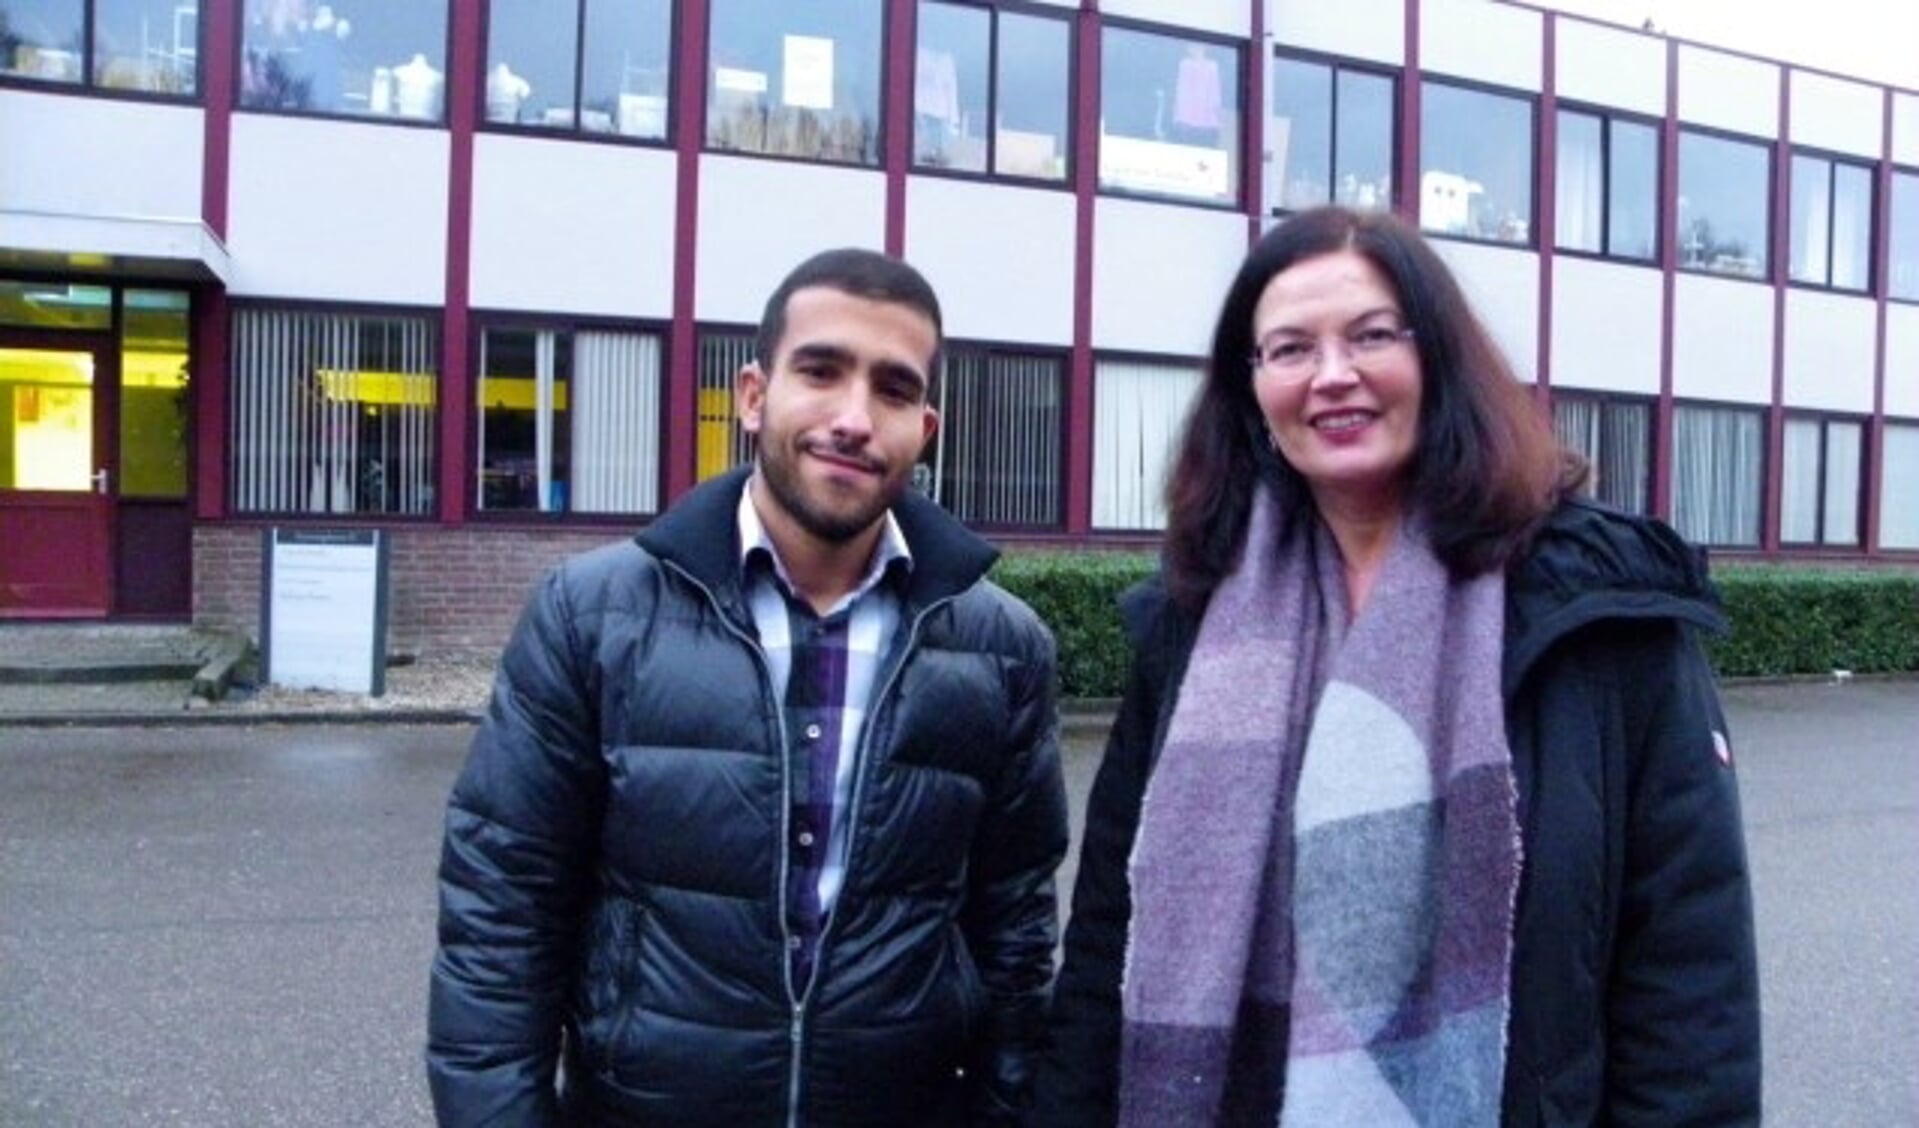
point(1784, 620)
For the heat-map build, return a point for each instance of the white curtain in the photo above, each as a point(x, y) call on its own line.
point(615, 417)
point(1799, 481)
point(1717, 466)
point(1138, 410)
point(1580, 177)
point(1899, 487)
point(1844, 442)
point(1615, 438)
point(1851, 226)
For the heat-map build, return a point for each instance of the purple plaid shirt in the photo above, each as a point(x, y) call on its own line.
point(824, 668)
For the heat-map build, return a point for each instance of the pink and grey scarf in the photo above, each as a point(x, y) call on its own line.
point(1328, 853)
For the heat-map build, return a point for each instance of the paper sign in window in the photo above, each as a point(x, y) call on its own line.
point(807, 77)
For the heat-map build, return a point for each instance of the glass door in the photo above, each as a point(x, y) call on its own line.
point(57, 404)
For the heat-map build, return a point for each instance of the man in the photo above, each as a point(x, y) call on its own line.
point(761, 825)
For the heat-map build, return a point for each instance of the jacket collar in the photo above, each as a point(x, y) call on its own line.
point(700, 533)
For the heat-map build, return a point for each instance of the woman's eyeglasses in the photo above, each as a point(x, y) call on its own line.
point(1292, 357)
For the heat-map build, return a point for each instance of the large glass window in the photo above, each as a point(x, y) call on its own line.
point(1831, 223)
point(1013, 124)
point(797, 80)
point(1139, 411)
point(1718, 468)
point(155, 381)
point(1614, 436)
point(1475, 164)
point(541, 72)
point(569, 421)
point(1899, 487)
point(356, 57)
point(1169, 116)
point(1724, 187)
point(333, 412)
point(1331, 136)
point(152, 46)
point(1902, 243)
point(1606, 182)
point(1819, 502)
point(998, 459)
point(55, 305)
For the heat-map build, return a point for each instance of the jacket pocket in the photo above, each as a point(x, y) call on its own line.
point(624, 939)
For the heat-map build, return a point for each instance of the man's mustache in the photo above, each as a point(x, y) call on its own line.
point(844, 452)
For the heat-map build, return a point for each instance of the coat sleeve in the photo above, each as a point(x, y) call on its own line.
point(1079, 1075)
point(515, 870)
point(1010, 918)
point(1682, 1006)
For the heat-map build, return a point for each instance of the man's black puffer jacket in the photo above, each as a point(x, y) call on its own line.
point(613, 862)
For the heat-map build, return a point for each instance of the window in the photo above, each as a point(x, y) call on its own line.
point(1475, 164)
point(998, 458)
point(155, 381)
point(333, 413)
point(1718, 471)
point(569, 421)
point(1899, 487)
point(1606, 179)
point(1902, 245)
point(151, 46)
point(1139, 412)
point(1820, 499)
point(720, 444)
point(1014, 125)
point(353, 57)
point(55, 305)
point(796, 80)
point(1724, 189)
point(1169, 117)
point(541, 71)
point(1331, 136)
point(1614, 436)
point(1831, 223)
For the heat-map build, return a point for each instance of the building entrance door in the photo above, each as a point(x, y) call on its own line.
point(58, 404)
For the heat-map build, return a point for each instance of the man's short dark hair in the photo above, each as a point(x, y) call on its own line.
point(855, 271)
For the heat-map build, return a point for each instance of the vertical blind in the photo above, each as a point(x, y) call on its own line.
point(998, 459)
point(1615, 438)
point(1718, 466)
point(721, 444)
point(615, 417)
point(332, 413)
point(1137, 418)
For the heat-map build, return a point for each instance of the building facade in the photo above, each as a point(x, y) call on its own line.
point(481, 273)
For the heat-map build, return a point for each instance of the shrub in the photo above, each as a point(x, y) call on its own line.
point(1077, 594)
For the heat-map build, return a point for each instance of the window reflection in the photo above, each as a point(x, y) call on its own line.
point(148, 45)
point(1331, 136)
point(1606, 185)
point(355, 57)
point(1903, 241)
point(42, 39)
point(1169, 116)
point(1722, 205)
point(155, 382)
point(1476, 160)
point(537, 66)
point(795, 80)
point(1014, 120)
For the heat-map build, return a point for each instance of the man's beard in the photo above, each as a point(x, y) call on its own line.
point(782, 474)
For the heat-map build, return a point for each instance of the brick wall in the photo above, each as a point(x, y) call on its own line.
point(450, 589)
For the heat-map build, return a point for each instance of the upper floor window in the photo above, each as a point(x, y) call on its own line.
point(600, 66)
point(353, 57)
point(1606, 185)
point(990, 91)
point(569, 421)
point(1169, 116)
point(149, 46)
point(1831, 223)
point(1902, 242)
point(1331, 136)
point(1724, 187)
point(1475, 164)
point(797, 80)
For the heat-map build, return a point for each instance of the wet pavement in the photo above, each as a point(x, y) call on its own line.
point(231, 925)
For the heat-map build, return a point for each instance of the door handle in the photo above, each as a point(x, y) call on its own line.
point(102, 481)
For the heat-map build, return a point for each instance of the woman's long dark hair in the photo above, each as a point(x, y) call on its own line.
point(1486, 470)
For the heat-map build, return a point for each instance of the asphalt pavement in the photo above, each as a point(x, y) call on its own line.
point(231, 925)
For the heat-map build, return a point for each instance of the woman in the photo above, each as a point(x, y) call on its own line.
point(1418, 808)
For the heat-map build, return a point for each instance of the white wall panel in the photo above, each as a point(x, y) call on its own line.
point(1360, 29)
point(1829, 350)
point(1728, 92)
point(338, 211)
point(1503, 287)
point(1159, 274)
point(1481, 40)
point(1902, 360)
point(1905, 128)
point(99, 157)
point(1606, 326)
point(1722, 340)
point(1610, 66)
point(759, 219)
point(1000, 258)
point(567, 227)
point(1831, 113)
point(1221, 17)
